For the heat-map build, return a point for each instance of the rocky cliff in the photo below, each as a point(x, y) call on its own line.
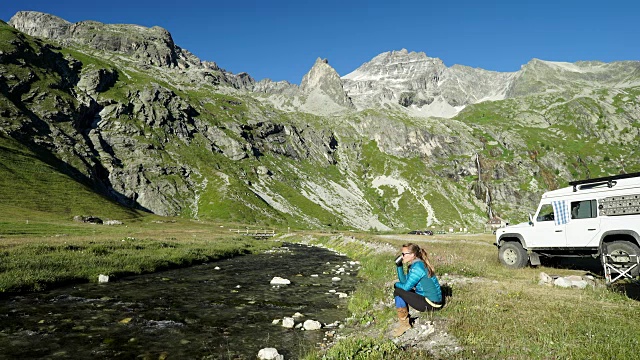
point(401, 142)
point(414, 80)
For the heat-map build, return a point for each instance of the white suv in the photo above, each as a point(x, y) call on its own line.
point(588, 218)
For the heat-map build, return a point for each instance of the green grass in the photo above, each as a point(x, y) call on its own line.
point(60, 253)
point(33, 184)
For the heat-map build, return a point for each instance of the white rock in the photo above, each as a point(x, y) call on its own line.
point(312, 325)
point(275, 321)
point(342, 295)
point(216, 268)
point(103, 278)
point(297, 315)
point(573, 278)
point(580, 284)
point(335, 278)
point(314, 275)
point(562, 282)
point(545, 279)
point(332, 291)
point(280, 281)
point(269, 354)
point(288, 322)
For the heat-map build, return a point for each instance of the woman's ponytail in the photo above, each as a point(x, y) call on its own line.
point(422, 255)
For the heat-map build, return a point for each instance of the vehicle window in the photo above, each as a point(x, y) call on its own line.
point(585, 209)
point(545, 213)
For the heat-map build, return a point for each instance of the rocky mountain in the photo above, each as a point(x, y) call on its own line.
point(422, 83)
point(401, 142)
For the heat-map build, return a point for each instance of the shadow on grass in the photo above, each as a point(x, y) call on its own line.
point(447, 293)
point(590, 265)
point(630, 288)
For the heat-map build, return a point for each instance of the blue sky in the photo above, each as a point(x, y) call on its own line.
point(281, 39)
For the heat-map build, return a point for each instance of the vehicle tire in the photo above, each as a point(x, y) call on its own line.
point(620, 251)
point(513, 255)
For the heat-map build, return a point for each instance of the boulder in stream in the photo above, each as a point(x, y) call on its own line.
point(269, 354)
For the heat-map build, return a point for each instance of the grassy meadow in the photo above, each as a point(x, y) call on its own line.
point(495, 313)
point(37, 255)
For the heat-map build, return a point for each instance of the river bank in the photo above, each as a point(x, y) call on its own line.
point(225, 309)
point(82, 252)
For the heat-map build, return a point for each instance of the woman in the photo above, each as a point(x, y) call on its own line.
point(419, 287)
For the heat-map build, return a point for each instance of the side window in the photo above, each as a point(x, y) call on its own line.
point(546, 213)
point(585, 209)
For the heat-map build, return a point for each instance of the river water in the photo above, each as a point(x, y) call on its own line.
point(198, 312)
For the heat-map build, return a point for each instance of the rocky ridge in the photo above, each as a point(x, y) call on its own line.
point(414, 80)
point(363, 151)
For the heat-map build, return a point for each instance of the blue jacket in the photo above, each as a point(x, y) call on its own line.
point(418, 278)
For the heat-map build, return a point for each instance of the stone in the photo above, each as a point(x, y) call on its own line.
point(545, 279)
point(113, 222)
point(335, 278)
point(88, 219)
point(573, 278)
point(580, 284)
point(312, 325)
point(288, 322)
point(269, 354)
point(103, 278)
point(263, 171)
point(280, 281)
point(562, 282)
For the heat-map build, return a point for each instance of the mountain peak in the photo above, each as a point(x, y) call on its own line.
point(151, 46)
point(321, 61)
point(40, 24)
point(323, 83)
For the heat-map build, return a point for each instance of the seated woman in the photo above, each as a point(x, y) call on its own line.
point(419, 288)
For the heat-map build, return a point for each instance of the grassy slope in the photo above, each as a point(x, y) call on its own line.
point(33, 188)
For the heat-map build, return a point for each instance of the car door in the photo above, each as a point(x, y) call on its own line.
point(584, 226)
point(548, 233)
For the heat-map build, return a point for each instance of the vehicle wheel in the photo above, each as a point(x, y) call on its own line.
point(620, 251)
point(513, 255)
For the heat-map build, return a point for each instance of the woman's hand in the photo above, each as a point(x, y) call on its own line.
point(399, 261)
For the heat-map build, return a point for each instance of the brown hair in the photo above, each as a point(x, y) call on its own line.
point(422, 255)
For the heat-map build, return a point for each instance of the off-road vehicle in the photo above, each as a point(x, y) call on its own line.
point(597, 217)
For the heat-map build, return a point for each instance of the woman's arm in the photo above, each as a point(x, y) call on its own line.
point(416, 273)
point(401, 276)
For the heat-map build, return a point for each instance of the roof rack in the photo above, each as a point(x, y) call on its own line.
point(608, 180)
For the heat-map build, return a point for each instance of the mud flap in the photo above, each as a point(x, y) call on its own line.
point(534, 259)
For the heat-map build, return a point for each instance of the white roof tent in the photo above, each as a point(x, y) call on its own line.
point(610, 181)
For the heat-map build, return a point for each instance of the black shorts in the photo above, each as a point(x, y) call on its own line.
point(416, 301)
